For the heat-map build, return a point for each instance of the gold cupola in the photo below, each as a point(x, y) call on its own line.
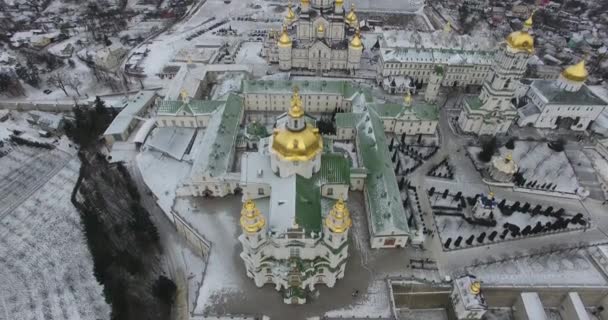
point(338, 220)
point(475, 288)
point(356, 43)
point(252, 220)
point(351, 17)
point(291, 16)
point(296, 110)
point(284, 39)
point(297, 140)
point(407, 100)
point(339, 2)
point(577, 72)
point(522, 40)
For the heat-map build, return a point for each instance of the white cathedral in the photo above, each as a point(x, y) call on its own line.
point(294, 220)
point(320, 35)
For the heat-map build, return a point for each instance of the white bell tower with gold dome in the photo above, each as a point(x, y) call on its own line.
point(336, 225)
point(296, 146)
point(492, 112)
point(253, 238)
point(355, 49)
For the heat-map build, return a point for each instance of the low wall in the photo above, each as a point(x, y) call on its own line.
point(40, 106)
point(200, 244)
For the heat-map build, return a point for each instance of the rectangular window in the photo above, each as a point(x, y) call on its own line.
point(261, 191)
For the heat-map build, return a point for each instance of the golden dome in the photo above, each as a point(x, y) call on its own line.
point(306, 2)
point(356, 43)
point(290, 14)
point(351, 17)
point(320, 28)
point(252, 220)
point(338, 220)
point(447, 28)
point(296, 110)
point(408, 99)
point(577, 72)
point(529, 23)
point(300, 145)
point(475, 288)
point(284, 40)
point(339, 2)
point(521, 40)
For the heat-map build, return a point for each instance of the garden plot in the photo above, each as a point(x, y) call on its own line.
point(442, 170)
point(25, 169)
point(512, 221)
point(46, 270)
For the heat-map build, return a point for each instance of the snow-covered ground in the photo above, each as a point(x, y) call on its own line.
point(537, 162)
point(600, 164)
point(564, 268)
point(375, 301)
point(162, 175)
point(46, 271)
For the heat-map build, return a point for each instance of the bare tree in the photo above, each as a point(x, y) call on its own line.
point(59, 80)
point(74, 82)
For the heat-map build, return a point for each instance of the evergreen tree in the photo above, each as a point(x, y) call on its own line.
point(488, 149)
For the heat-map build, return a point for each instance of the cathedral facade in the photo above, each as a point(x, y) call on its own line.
point(493, 112)
point(294, 220)
point(319, 35)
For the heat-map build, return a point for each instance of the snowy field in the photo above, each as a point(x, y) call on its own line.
point(600, 164)
point(46, 271)
point(563, 268)
point(249, 54)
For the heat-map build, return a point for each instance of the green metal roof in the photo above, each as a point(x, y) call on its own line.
point(192, 107)
point(213, 160)
point(388, 110)
point(474, 102)
point(426, 111)
point(347, 120)
point(335, 169)
point(557, 96)
point(388, 217)
point(328, 145)
point(343, 88)
point(308, 204)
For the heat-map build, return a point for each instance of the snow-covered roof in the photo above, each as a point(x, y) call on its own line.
point(214, 160)
point(131, 108)
point(48, 120)
point(388, 217)
point(189, 77)
point(172, 141)
point(144, 130)
point(553, 95)
point(533, 306)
